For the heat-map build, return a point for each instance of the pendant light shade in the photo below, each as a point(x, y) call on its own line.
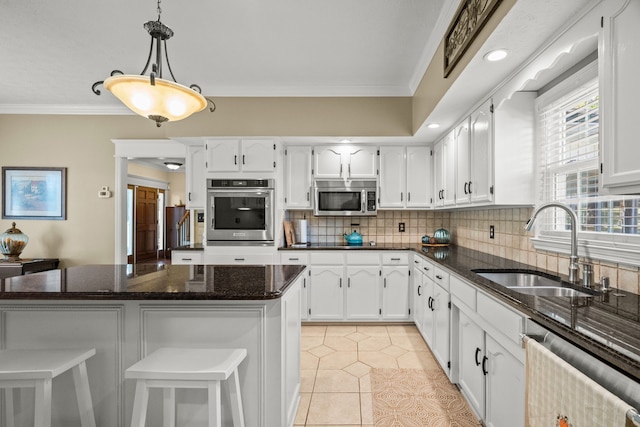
point(152, 96)
point(163, 101)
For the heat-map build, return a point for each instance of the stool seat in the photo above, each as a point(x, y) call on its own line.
point(205, 364)
point(171, 368)
point(36, 369)
point(39, 364)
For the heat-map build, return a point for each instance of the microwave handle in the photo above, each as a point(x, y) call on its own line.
point(364, 201)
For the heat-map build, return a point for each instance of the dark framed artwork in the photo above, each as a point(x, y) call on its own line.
point(467, 23)
point(34, 193)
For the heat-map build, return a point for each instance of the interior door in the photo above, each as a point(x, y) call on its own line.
point(146, 223)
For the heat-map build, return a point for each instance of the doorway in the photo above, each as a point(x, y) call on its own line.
point(145, 224)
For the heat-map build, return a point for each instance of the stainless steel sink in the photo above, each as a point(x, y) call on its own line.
point(549, 291)
point(517, 279)
point(532, 283)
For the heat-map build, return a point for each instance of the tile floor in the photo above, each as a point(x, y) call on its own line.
point(336, 360)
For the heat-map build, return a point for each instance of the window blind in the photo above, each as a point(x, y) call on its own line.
point(569, 167)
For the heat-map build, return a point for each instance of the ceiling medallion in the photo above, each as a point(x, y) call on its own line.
point(152, 96)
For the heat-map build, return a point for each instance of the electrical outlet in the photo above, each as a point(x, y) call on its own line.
point(401, 227)
point(491, 232)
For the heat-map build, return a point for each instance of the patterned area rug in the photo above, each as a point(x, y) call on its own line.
point(418, 398)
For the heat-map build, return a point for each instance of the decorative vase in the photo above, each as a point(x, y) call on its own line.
point(12, 243)
point(442, 235)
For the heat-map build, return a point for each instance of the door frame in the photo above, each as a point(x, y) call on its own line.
point(124, 150)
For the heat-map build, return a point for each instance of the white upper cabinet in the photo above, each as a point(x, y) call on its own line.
point(195, 177)
point(392, 177)
point(250, 155)
point(463, 165)
point(405, 177)
point(619, 60)
point(419, 177)
point(489, 156)
point(297, 160)
point(444, 166)
point(347, 162)
point(481, 148)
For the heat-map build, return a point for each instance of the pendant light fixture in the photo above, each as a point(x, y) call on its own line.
point(152, 96)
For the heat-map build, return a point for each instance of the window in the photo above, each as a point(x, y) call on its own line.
point(569, 170)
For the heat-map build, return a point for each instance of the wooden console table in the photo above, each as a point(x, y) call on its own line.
point(26, 266)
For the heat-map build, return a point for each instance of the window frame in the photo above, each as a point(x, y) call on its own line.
point(610, 247)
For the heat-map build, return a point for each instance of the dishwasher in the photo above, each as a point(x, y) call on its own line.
point(614, 381)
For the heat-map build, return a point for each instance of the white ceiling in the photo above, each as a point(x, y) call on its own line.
point(53, 51)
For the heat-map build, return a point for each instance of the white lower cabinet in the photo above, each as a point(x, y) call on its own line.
point(431, 310)
point(489, 366)
point(395, 293)
point(326, 294)
point(363, 293)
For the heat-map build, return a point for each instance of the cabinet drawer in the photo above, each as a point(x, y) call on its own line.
point(294, 257)
point(327, 258)
point(441, 277)
point(187, 257)
point(463, 291)
point(363, 258)
point(395, 258)
point(242, 259)
point(500, 317)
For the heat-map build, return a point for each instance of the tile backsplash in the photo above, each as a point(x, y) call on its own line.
point(469, 228)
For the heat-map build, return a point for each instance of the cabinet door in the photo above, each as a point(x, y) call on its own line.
point(362, 162)
point(304, 298)
point(195, 179)
point(395, 293)
point(428, 319)
point(462, 157)
point(392, 177)
point(419, 299)
point(441, 322)
point(471, 353)
point(449, 193)
point(223, 155)
point(327, 162)
point(363, 293)
point(297, 177)
point(326, 293)
point(419, 184)
point(505, 383)
point(619, 60)
point(481, 161)
point(258, 155)
point(438, 173)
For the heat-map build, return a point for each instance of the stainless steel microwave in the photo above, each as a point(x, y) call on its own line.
point(345, 197)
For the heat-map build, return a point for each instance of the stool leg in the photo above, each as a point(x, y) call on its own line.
point(8, 404)
point(42, 416)
point(232, 384)
point(83, 394)
point(215, 418)
point(140, 402)
point(169, 407)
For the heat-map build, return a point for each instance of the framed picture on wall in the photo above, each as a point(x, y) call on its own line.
point(34, 193)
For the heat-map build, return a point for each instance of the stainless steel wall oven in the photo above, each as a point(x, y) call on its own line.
point(240, 211)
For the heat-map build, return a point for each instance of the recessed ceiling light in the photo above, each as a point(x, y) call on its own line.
point(345, 140)
point(496, 55)
point(433, 125)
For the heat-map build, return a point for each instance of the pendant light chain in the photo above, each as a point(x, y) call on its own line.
point(159, 11)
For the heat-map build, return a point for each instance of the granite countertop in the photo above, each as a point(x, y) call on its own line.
point(606, 325)
point(168, 282)
point(365, 246)
point(190, 247)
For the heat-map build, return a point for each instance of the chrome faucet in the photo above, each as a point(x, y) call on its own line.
point(574, 268)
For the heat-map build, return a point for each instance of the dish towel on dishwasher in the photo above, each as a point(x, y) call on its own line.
point(559, 395)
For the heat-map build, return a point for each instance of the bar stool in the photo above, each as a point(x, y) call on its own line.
point(37, 369)
point(171, 368)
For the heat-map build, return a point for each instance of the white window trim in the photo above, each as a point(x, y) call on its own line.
point(615, 248)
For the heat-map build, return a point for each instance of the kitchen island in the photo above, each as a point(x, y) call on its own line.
point(126, 315)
